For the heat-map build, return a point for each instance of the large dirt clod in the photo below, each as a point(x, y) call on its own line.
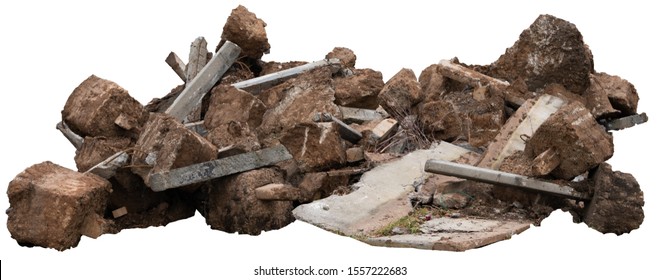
point(244, 29)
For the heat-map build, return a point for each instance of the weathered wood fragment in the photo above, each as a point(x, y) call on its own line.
point(196, 58)
point(500, 178)
point(196, 89)
point(200, 172)
point(177, 65)
point(277, 191)
point(74, 138)
point(358, 115)
point(265, 81)
point(626, 122)
point(545, 162)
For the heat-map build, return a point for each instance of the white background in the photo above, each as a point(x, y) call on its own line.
point(48, 47)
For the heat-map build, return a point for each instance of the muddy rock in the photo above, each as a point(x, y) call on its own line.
point(52, 206)
point(94, 107)
point(318, 185)
point(166, 144)
point(345, 55)
point(359, 90)
point(574, 134)
point(617, 203)
point(315, 146)
point(300, 99)
point(440, 120)
point(229, 104)
point(597, 100)
point(97, 149)
point(247, 31)
point(432, 82)
point(400, 93)
point(621, 93)
point(451, 200)
point(236, 135)
point(551, 50)
point(231, 204)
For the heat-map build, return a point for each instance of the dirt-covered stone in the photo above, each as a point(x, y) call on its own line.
point(578, 139)
point(315, 146)
point(551, 50)
point(432, 82)
point(400, 93)
point(621, 93)
point(236, 135)
point(345, 55)
point(616, 206)
point(229, 104)
point(94, 106)
point(231, 204)
point(166, 144)
point(359, 90)
point(244, 29)
point(52, 206)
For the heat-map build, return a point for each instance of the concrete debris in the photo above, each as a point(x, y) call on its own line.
point(251, 144)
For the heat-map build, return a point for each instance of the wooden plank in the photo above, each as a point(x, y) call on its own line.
point(74, 138)
point(192, 95)
point(177, 65)
point(265, 81)
point(196, 58)
point(500, 178)
point(217, 168)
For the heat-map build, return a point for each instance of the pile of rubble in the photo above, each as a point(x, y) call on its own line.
point(459, 152)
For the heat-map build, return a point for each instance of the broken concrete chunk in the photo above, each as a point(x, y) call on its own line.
point(354, 154)
point(278, 191)
point(616, 206)
point(621, 93)
point(231, 203)
point(177, 65)
point(93, 107)
point(247, 31)
point(384, 129)
point(551, 50)
point(166, 144)
point(231, 104)
point(360, 89)
point(315, 147)
point(119, 212)
point(545, 162)
point(50, 205)
point(73, 138)
point(400, 93)
point(345, 55)
point(597, 99)
point(578, 139)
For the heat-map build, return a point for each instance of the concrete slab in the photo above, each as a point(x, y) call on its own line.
point(382, 197)
point(462, 234)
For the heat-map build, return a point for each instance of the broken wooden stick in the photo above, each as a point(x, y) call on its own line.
point(74, 138)
point(265, 81)
point(196, 58)
point(500, 178)
point(205, 171)
point(345, 131)
point(475, 79)
point(177, 65)
point(192, 95)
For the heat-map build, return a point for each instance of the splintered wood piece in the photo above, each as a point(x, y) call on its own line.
point(196, 58)
point(500, 178)
point(177, 65)
point(192, 95)
point(258, 83)
point(217, 168)
point(74, 138)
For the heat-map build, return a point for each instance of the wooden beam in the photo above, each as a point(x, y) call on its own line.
point(177, 65)
point(196, 58)
point(265, 81)
point(192, 95)
point(74, 138)
point(500, 178)
point(204, 171)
